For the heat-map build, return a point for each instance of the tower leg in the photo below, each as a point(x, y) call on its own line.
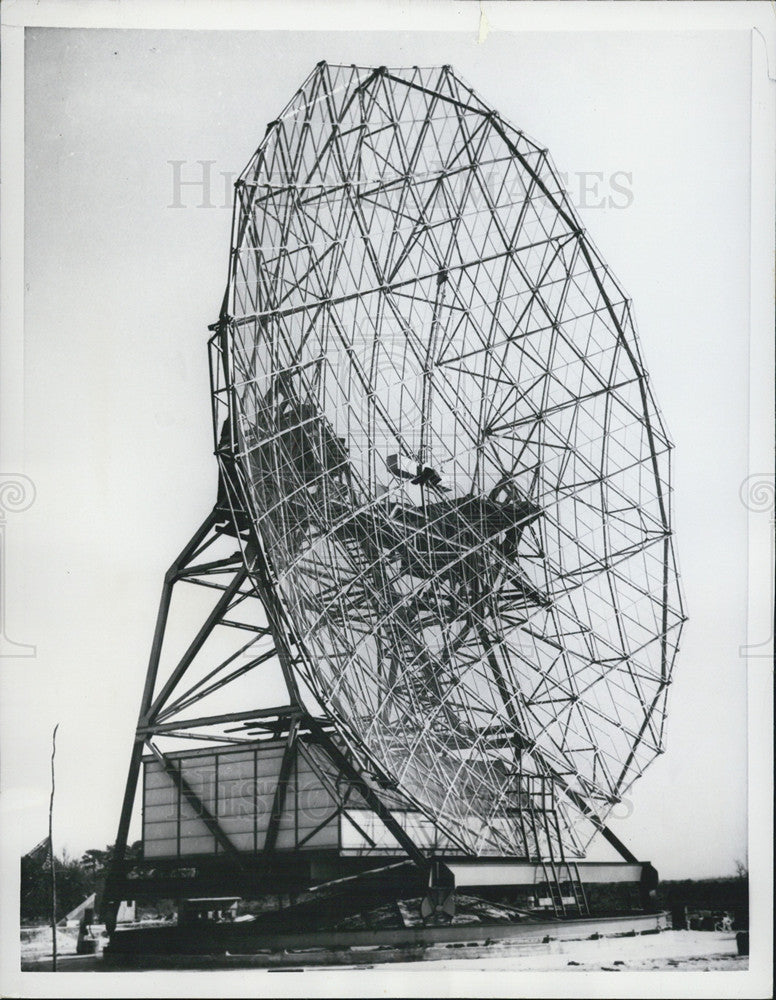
point(117, 864)
point(162, 704)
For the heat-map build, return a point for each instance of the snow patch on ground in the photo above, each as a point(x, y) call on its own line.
point(680, 950)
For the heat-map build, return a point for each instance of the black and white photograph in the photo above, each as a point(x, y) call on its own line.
point(387, 499)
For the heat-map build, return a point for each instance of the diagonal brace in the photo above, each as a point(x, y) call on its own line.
point(281, 788)
point(369, 795)
point(199, 640)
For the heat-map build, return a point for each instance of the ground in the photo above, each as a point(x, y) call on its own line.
point(669, 950)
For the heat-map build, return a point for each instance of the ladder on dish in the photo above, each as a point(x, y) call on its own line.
point(566, 891)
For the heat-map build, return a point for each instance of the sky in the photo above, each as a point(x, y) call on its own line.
point(124, 269)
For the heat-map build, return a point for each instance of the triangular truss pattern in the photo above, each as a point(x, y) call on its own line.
point(444, 511)
point(446, 442)
point(245, 794)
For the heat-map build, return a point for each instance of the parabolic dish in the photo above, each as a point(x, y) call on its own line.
point(448, 446)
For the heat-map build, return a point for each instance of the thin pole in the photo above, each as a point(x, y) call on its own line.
point(51, 854)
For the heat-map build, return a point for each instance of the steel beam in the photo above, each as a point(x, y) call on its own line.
point(505, 872)
point(208, 720)
point(369, 795)
point(222, 605)
point(281, 788)
point(120, 845)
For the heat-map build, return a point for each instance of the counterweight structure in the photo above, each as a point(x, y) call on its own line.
point(445, 472)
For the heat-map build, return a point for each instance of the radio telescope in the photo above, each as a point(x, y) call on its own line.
point(445, 489)
point(437, 420)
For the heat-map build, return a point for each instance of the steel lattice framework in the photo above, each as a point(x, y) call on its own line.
point(430, 402)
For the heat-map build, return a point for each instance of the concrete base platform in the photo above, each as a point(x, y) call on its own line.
point(160, 947)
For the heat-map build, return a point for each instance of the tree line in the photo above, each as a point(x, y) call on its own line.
point(76, 879)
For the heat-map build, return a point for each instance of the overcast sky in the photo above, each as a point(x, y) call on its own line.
point(652, 131)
